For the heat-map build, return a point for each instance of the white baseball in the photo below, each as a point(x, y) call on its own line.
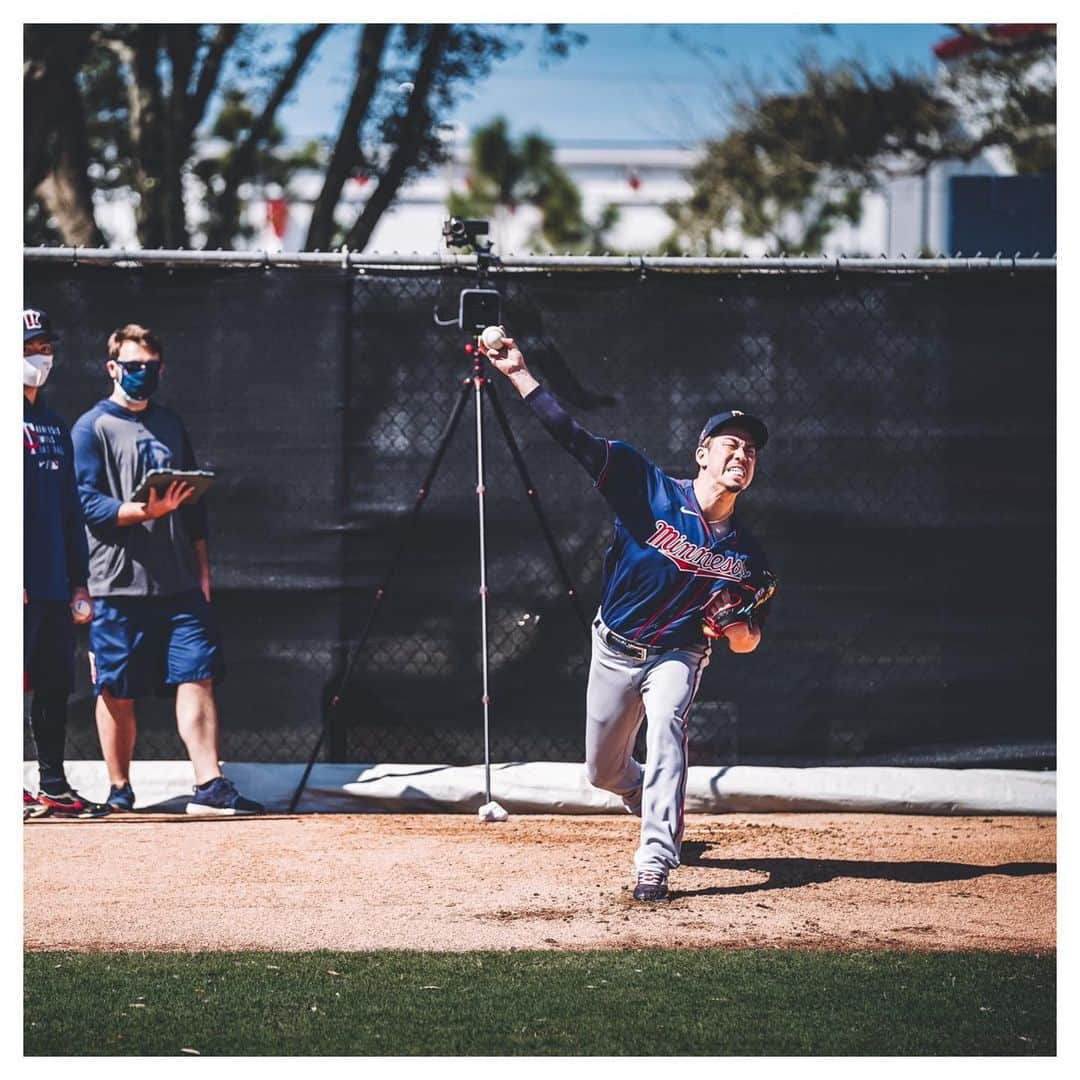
point(82, 608)
point(492, 337)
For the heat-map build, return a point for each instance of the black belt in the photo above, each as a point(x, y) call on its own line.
point(635, 650)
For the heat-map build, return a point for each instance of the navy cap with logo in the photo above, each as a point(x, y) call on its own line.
point(736, 417)
point(37, 325)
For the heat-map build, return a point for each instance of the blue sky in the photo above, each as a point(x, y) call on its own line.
point(629, 82)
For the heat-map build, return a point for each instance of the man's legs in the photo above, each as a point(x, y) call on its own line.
point(197, 723)
point(613, 714)
point(124, 639)
point(193, 662)
point(668, 690)
point(49, 662)
point(49, 659)
point(48, 718)
point(48, 722)
point(116, 733)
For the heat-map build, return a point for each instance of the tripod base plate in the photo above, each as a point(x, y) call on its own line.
point(492, 811)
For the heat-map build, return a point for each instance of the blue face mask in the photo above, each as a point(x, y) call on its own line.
point(139, 385)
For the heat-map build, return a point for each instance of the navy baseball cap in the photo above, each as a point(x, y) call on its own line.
point(37, 324)
point(758, 431)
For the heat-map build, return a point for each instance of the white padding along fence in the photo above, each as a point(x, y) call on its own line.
point(540, 787)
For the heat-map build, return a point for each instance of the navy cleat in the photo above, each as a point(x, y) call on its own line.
point(70, 804)
point(652, 886)
point(122, 797)
point(221, 797)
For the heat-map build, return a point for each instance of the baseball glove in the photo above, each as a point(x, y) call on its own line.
point(732, 604)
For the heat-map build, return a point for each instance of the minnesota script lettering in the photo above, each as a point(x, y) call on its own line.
point(694, 558)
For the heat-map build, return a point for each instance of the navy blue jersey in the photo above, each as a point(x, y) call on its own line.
point(54, 541)
point(665, 560)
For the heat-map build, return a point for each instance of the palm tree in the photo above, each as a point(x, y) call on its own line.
point(507, 174)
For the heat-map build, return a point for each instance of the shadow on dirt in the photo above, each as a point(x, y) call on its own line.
point(793, 873)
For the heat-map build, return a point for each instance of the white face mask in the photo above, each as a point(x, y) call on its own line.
point(36, 369)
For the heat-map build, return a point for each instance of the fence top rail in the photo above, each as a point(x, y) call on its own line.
point(355, 260)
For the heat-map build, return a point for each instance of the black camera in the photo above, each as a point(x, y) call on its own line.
point(466, 232)
point(480, 306)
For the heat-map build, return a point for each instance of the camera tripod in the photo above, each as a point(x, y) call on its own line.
point(479, 387)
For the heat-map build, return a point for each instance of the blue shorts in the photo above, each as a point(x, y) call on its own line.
point(140, 644)
point(48, 647)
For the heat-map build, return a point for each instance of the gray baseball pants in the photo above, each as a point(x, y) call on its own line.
point(623, 692)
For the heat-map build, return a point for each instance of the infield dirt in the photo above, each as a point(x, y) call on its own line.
point(434, 882)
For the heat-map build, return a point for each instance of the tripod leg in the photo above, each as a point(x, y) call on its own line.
point(534, 499)
point(480, 382)
point(406, 530)
point(298, 793)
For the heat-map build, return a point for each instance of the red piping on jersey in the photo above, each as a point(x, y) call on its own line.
point(663, 607)
point(696, 507)
point(686, 607)
point(603, 471)
point(710, 540)
point(679, 586)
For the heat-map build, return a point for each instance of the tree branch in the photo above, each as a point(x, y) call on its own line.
point(181, 44)
point(122, 49)
point(347, 149)
point(52, 57)
point(302, 50)
point(408, 145)
point(145, 118)
point(56, 151)
point(240, 164)
point(209, 71)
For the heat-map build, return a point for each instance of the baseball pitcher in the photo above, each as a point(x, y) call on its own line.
point(680, 575)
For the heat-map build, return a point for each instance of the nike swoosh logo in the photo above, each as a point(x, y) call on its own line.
point(687, 510)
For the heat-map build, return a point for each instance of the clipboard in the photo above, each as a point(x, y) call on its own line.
point(160, 479)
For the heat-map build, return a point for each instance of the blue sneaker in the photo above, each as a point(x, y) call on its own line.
point(121, 798)
point(221, 797)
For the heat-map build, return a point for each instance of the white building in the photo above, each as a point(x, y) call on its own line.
point(907, 216)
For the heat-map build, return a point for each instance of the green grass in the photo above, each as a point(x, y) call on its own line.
point(643, 1002)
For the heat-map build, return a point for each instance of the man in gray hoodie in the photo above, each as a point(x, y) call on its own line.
point(149, 575)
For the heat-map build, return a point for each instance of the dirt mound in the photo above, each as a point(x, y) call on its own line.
point(819, 881)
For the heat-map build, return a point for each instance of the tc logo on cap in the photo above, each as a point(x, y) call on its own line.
point(36, 324)
point(757, 428)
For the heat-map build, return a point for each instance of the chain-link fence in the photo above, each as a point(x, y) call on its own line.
point(906, 497)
